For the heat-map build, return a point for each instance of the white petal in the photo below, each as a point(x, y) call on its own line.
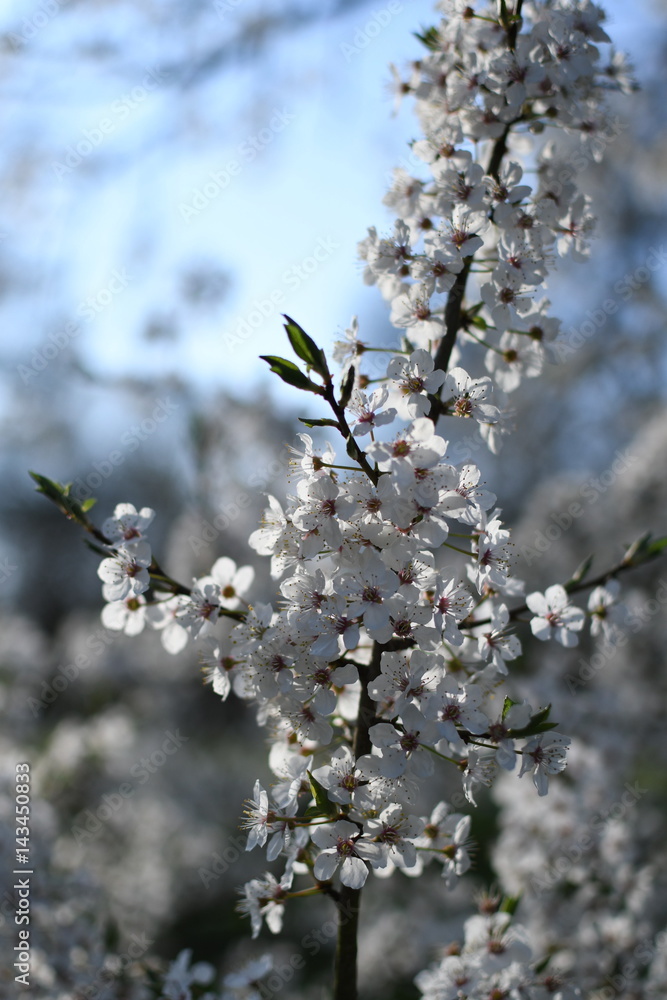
point(325, 865)
point(353, 873)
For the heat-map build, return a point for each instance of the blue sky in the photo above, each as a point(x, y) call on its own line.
point(270, 172)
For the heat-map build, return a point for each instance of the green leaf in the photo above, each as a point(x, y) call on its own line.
point(48, 487)
point(509, 904)
point(289, 373)
point(636, 552)
point(306, 349)
point(656, 548)
point(579, 573)
point(542, 715)
point(59, 495)
point(535, 730)
point(323, 803)
point(318, 422)
point(538, 724)
point(87, 504)
point(347, 387)
point(507, 704)
point(541, 965)
point(429, 37)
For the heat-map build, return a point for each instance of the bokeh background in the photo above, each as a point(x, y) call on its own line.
point(175, 175)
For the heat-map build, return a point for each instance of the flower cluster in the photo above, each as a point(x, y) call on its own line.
point(385, 653)
point(485, 84)
point(494, 961)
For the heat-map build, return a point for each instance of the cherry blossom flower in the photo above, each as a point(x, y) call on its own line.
point(264, 899)
point(455, 706)
point(412, 311)
point(322, 503)
point(127, 524)
point(544, 755)
point(369, 586)
point(555, 617)
point(342, 844)
point(340, 776)
point(395, 832)
point(497, 642)
point(607, 616)
point(128, 616)
point(367, 411)
point(446, 838)
point(234, 582)
point(416, 378)
point(125, 574)
point(469, 397)
point(404, 680)
point(402, 747)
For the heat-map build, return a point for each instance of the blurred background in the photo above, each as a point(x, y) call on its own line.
point(176, 175)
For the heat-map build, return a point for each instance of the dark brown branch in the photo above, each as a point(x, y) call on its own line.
point(345, 969)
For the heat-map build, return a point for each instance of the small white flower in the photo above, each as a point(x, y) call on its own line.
point(340, 776)
point(127, 524)
point(415, 378)
point(234, 582)
point(126, 574)
point(342, 844)
point(128, 616)
point(555, 617)
point(607, 617)
point(544, 755)
point(368, 410)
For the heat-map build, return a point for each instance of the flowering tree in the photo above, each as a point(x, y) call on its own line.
point(383, 661)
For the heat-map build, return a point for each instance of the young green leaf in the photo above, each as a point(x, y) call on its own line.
point(509, 904)
point(507, 704)
point(429, 37)
point(580, 573)
point(656, 548)
point(306, 348)
point(289, 373)
point(347, 387)
point(59, 495)
point(318, 422)
point(323, 804)
point(538, 724)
